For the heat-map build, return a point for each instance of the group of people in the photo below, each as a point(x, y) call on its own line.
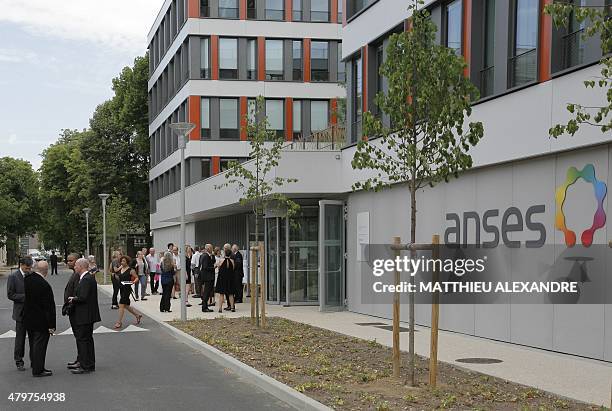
point(217, 274)
point(34, 312)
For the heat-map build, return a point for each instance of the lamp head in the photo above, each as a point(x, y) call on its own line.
point(182, 130)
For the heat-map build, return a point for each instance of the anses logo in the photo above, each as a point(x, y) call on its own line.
point(599, 219)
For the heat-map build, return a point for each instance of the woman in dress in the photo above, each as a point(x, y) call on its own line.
point(167, 282)
point(188, 255)
point(127, 277)
point(139, 263)
point(225, 280)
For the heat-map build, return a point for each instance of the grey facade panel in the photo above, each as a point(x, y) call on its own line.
point(242, 58)
point(219, 231)
point(333, 61)
point(502, 30)
point(214, 118)
point(288, 59)
point(306, 117)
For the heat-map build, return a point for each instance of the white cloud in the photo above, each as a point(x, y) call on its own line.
point(12, 139)
point(17, 56)
point(119, 24)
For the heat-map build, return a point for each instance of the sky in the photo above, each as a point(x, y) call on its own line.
point(57, 60)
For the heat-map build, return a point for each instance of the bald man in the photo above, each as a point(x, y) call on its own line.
point(85, 313)
point(39, 317)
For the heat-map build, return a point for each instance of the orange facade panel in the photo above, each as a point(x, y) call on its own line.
point(243, 118)
point(261, 58)
point(193, 8)
point(214, 61)
point(242, 7)
point(194, 116)
point(216, 164)
point(288, 10)
point(545, 42)
point(333, 15)
point(306, 60)
point(467, 38)
point(289, 119)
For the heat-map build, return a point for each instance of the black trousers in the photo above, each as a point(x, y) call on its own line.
point(207, 292)
point(85, 346)
point(198, 281)
point(154, 284)
point(20, 334)
point(238, 291)
point(116, 287)
point(164, 304)
point(38, 350)
point(53, 269)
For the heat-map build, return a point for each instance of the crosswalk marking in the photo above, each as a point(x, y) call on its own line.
point(100, 330)
point(8, 334)
point(132, 328)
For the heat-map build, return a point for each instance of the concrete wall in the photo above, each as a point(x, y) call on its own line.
point(172, 234)
point(584, 330)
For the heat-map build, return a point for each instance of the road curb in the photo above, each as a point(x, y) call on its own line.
point(279, 390)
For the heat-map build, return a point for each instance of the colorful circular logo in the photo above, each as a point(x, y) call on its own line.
point(599, 219)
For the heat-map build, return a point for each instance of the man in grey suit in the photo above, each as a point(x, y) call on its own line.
point(15, 292)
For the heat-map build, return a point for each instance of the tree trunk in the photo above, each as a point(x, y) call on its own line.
point(411, 363)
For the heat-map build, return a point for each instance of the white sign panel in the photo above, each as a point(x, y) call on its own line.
point(363, 234)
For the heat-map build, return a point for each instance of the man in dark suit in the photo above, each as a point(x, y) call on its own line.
point(70, 291)
point(207, 272)
point(239, 272)
point(16, 293)
point(39, 317)
point(85, 313)
point(53, 260)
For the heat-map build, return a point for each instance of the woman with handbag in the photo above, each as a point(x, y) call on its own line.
point(167, 282)
point(127, 278)
point(226, 279)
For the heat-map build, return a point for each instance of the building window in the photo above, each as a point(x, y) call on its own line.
point(251, 59)
point(226, 163)
point(297, 60)
point(228, 121)
point(205, 118)
point(573, 42)
point(357, 104)
point(319, 10)
point(379, 76)
point(340, 11)
point(251, 110)
point(341, 65)
point(297, 10)
point(228, 58)
point(204, 57)
point(297, 119)
point(275, 114)
point(275, 9)
point(206, 168)
point(319, 115)
point(204, 8)
point(251, 9)
point(228, 9)
point(274, 59)
point(453, 26)
point(522, 67)
point(319, 61)
point(488, 62)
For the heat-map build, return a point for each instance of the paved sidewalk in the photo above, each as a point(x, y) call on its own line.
point(574, 377)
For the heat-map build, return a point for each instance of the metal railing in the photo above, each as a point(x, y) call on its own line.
point(332, 138)
point(573, 49)
point(486, 81)
point(522, 69)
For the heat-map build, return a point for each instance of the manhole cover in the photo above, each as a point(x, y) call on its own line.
point(390, 328)
point(479, 360)
point(364, 324)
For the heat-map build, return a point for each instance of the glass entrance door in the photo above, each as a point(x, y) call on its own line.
point(331, 252)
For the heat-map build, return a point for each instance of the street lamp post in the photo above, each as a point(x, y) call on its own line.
point(104, 197)
point(182, 130)
point(87, 210)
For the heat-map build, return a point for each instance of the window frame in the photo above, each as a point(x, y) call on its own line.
point(268, 12)
point(314, 73)
point(294, 70)
point(275, 75)
point(229, 133)
point(280, 132)
point(223, 72)
point(236, 9)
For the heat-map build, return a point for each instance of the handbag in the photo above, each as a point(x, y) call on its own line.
point(67, 309)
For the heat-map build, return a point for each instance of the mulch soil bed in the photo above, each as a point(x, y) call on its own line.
point(348, 373)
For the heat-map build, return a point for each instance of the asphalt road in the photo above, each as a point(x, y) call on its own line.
point(142, 370)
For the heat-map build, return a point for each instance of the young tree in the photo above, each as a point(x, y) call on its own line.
point(427, 102)
point(256, 180)
point(598, 24)
point(19, 203)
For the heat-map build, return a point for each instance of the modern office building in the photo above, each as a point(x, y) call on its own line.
point(527, 71)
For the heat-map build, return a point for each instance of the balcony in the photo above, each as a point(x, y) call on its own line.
point(332, 138)
point(573, 49)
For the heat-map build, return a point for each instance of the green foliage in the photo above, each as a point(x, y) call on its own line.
point(19, 203)
point(599, 24)
point(256, 180)
point(427, 102)
point(110, 157)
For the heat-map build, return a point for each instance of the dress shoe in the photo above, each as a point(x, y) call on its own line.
point(81, 371)
point(143, 299)
point(43, 374)
point(73, 362)
point(207, 310)
point(20, 367)
point(74, 366)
